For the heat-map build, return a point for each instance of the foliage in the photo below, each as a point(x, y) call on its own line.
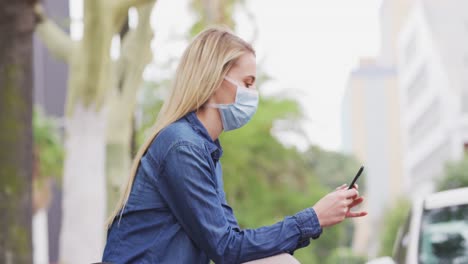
point(455, 175)
point(345, 255)
point(263, 180)
point(148, 107)
point(48, 146)
point(333, 168)
point(258, 170)
point(256, 165)
point(393, 220)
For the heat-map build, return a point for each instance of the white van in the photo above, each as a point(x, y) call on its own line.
point(436, 231)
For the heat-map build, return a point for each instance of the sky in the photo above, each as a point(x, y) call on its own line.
point(308, 47)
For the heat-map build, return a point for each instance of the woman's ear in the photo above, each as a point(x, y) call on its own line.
point(219, 88)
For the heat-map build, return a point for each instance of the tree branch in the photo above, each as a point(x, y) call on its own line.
point(124, 5)
point(56, 40)
point(136, 52)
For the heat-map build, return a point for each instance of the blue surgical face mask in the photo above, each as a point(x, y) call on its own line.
point(240, 112)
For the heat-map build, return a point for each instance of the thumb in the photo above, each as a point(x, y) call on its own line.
point(342, 187)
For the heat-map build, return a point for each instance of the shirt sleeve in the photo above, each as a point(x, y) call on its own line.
point(187, 184)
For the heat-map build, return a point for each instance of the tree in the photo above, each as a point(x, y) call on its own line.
point(455, 175)
point(393, 220)
point(211, 12)
point(16, 159)
point(264, 181)
point(333, 168)
point(96, 83)
point(345, 255)
point(135, 55)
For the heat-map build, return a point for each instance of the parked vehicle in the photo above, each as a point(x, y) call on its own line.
point(436, 231)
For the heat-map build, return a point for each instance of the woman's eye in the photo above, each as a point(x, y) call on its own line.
point(248, 85)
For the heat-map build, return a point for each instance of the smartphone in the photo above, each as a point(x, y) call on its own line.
point(356, 177)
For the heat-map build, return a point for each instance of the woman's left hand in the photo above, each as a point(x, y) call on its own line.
point(357, 201)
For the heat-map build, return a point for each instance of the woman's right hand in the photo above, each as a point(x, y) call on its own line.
point(334, 207)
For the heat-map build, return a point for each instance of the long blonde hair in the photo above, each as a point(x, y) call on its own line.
point(205, 62)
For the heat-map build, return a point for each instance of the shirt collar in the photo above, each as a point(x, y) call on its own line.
point(213, 146)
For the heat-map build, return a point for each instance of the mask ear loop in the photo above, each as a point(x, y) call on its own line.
point(231, 81)
point(221, 106)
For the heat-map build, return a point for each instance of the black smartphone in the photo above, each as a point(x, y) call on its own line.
point(356, 178)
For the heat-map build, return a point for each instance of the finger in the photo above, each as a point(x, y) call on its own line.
point(356, 214)
point(351, 193)
point(356, 186)
point(348, 202)
point(356, 201)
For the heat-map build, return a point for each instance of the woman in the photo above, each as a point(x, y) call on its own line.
point(174, 208)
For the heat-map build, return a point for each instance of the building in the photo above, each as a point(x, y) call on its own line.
point(371, 121)
point(433, 82)
point(405, 114)
point(393, 15)
point(371, 126)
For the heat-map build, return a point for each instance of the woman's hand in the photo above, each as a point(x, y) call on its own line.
point(336, 206)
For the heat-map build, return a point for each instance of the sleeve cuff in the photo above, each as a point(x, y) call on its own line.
point(309, 224)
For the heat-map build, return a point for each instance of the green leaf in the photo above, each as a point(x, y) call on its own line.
point(48, 146)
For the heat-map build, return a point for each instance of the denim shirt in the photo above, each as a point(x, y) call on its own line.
point(177, 210)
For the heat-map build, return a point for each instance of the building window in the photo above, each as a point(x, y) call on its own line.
point(425, 124)
point(417, 85)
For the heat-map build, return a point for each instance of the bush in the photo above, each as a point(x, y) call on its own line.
point(345, 255)
point(455, 175)
point(393, 219)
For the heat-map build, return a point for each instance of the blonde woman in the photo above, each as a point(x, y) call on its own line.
point(174, 208)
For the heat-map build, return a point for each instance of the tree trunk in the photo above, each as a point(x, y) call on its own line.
point(84, 196)
point(135, 55)
point(84, 191)
point(16, 155)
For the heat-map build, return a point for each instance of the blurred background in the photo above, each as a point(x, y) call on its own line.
point(382, 83)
